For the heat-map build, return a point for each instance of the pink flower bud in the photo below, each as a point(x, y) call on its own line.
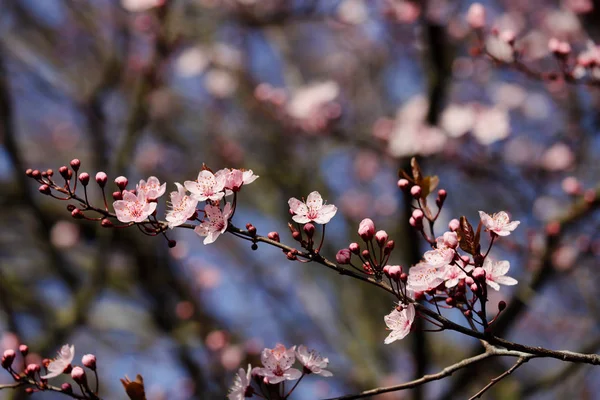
point(412, 222)
point(309, 229)
point(366, 229)
point(417, 215)
point(106, 223)
point(381, 237)
point(415, 191)
point(49, 172)
point(8, 357)
point(273, 236)
point(479, 273)
point(453, 225)
point(89, 360)
point(32, 369)
point(45, 189)
point(474, 288)
point(101, 179)
point(386, 271)
point(404, 277)
point(354, 248)
point(35, 174)
point(365, 254)
point(78, 375)
point(395, 271)
point(29, 172)
point(118, 195)
point(389, 246)
point(84, 178)
point(64, 172)
point(451, 239)
point(343, 256)
point(571, 186)
point(24, 349)
point(469, 281)
point(120, 181)
point(476, 16)
point(403, 184)
point(66, 387)
point(75, 164)
point(77, 214)
point(465, 259)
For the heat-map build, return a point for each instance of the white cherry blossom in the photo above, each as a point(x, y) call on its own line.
point(278, 364)
point(61, 362)
point(498, 223)
point(241, 384)
point(313, 210)
point(312, 361)
point(207, 186)
point(152, 188)
point(133, 208)
point(399, 322)
point(495, 272)
point(216, 223)
point(182, 207)
point(424, 276)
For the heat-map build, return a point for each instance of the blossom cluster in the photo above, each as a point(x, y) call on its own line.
point(277, 368)
point(36, 376)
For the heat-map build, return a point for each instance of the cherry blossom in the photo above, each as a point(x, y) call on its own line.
point(498, 223)
point(495, 272)
point(312, 361)
point(61, 362)
point(152, 189)
point(440, 256)
point(313, 210)
point(133, 208)
point(182, 207)
point(278, 364)
point(241, 385)
point(207, 186)
point(399, 322)
point(424, 276)
point(140, 5)
point(235, 178)
point(453, 274)
point(216, 224)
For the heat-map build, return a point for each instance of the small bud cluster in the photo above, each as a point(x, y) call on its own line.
point(269, 381)
point(35, 377)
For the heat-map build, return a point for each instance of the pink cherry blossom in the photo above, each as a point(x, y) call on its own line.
point(399, 322)
point(439, 256)
point(182, 207)
point(133, 208)
point(312, 361)
point(207, 186)
point(495, 272)
point(278, 364)
point(216, 224)
point(241, 385)
point(453, 274)
point(313, 210)
point(498, 223)
point(61, 362)
point(152, 189)
point(235, 178)
point(424, 276)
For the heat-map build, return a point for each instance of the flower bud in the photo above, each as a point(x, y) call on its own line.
point(501, 305)
point(365, 254)
point(386, 271)
point(389, 246)
point(366, 229)
point(395, 272)
point(441, 197)
point(354, 247)
point(273, 236)
point(44, 189)
point(381, 237)
point(78, 375)
point(84, 178)
point(29, 172)
point(450, 301)
point(101, 179)
point(453, 225)
point(66, 387)
point(450, 239)
point(474, 288)
point(476, 16)
point(77, 214)
point(8, 357)
point(416, 191)
point(24, 350)
point(35, 174)
point(64, 172)
point(32, 369)
point(404, 277)
point(75, 164)
point(343, 256)
point(251, 229)
point(309, 229)
point(106, 223)
point(89, 360)
point(117, 195)
point(291, 256)
point(121, 182)
point(469, 280)
point(171, 243)
point(479, 273)
point(297, 236)
point(403, 184)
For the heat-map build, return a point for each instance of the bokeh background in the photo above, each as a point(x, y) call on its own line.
point(321, 95)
